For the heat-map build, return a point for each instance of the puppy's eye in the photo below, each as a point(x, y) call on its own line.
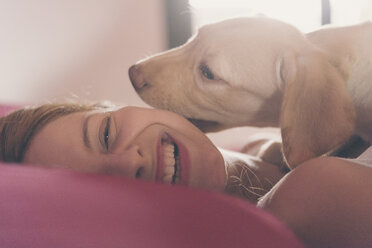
point(206, 72)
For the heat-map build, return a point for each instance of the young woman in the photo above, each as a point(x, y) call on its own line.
point(148, 144)
point(326, 201)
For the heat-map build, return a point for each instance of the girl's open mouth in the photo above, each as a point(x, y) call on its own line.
point(171, 162)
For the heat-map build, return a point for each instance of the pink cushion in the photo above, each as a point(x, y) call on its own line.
point(46, 208)
point(6, 108)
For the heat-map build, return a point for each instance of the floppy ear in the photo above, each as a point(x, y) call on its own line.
point(317, 113)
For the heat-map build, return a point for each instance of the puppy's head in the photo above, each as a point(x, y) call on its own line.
point(226, 75)
point(256, 72)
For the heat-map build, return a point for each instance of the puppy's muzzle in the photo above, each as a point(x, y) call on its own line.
point(136, 77)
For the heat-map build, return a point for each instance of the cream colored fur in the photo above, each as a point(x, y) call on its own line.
point(316, 87)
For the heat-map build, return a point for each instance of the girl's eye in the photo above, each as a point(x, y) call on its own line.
point(106, 132)
point(206, 72)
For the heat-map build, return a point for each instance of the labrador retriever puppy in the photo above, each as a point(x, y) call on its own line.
point(256, 71)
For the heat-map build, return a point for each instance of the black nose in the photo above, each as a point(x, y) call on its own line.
point(136, 77)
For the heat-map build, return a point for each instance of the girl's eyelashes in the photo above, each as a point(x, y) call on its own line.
point(104, 135)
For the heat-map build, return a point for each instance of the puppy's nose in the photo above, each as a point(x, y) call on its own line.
point(136, 77)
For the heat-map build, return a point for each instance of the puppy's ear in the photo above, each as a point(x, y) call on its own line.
point(317, 113)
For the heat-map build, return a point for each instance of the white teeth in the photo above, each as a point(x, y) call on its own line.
point(169, 149)
point(168, 154)
point(168, 178)
point(169, 164)
point(169, 170)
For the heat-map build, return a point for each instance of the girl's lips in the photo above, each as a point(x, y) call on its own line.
point(183, 156)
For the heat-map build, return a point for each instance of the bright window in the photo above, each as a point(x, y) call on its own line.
point(304, 14)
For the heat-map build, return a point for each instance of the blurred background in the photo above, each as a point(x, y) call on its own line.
point(82, 49)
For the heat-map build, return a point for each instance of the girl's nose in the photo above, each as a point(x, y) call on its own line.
point(130, 163)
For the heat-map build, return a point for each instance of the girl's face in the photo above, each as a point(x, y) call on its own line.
point(141, 143)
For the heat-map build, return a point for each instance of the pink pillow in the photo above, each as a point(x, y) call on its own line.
point(4, 109)
point(46, 208)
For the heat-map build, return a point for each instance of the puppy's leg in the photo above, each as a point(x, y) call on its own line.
point(271, 151)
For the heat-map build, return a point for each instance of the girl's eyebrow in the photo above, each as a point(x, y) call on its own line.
point(85, 131)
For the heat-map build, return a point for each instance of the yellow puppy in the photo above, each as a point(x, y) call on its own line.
point(262, 72)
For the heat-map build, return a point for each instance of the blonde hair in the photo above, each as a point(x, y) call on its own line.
point(19, 127)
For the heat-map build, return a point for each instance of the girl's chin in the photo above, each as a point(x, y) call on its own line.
point(214, 181)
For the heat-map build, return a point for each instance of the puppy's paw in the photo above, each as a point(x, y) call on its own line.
point(271, 152)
